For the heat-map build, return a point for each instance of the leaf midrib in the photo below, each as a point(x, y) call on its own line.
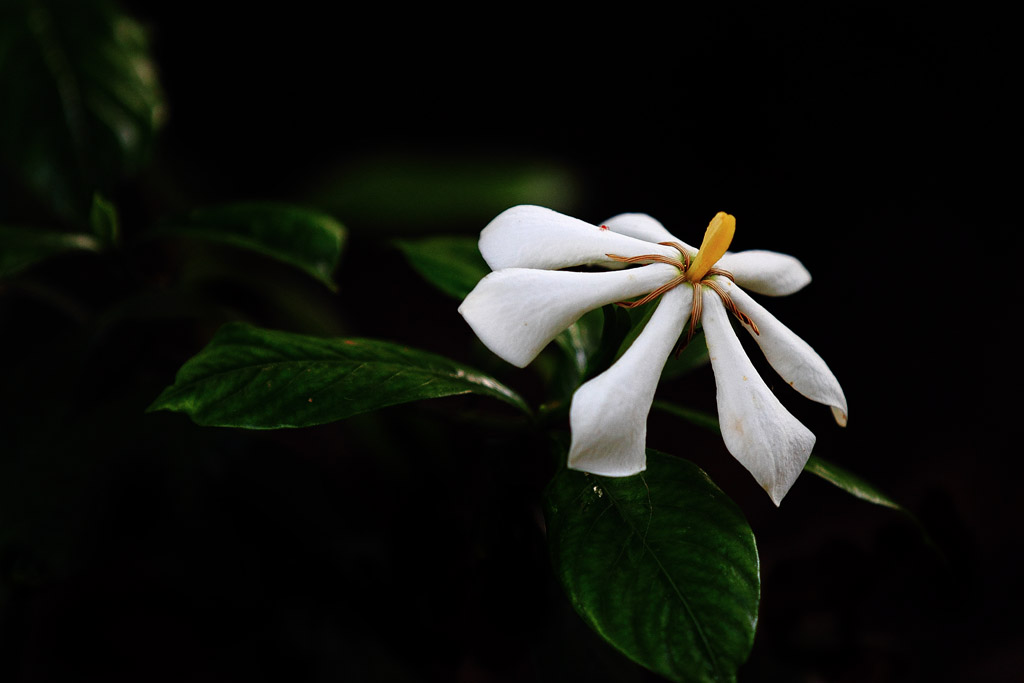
point(682, 598)
point(436, 374)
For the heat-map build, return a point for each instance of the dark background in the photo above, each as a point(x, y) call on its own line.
point(875, 143)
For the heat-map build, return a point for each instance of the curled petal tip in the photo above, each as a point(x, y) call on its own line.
point(840, 415)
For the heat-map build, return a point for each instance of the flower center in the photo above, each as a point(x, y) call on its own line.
point(696, 272)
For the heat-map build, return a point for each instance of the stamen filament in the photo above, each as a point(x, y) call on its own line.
point(678, 247)
point(656, 258)
point(698, 308)
point(717, 239)
point(654, 294)
point(720, 271)
point(731, 305)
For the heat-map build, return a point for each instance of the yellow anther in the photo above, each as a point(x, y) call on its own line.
point(717, 239)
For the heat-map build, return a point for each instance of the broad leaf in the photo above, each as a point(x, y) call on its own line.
point(304, 238)
point(662, 565)
point(453, 264)
point(264, 379)
point(81, 101)
point(21, 248)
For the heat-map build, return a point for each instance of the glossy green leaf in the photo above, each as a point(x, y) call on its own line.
point(81, 99)
point(453, 264)
point(581, 341)
point(264, 379)
point(563, 372)
point(307, 239)
point(21, 248)
point(662, 565)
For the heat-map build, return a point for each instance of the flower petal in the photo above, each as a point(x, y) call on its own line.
point(757, 429)
point(535, 237)
point(766, 272)
point(608, 416)
point(790, 356)
point(516, 312)
point(644, 227)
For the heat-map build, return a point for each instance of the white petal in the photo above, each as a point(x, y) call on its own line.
point(608, 416)
point(792, 357)
point(535, 237)
point(516, 312)
point(766, 272)
point(643, 227)
point(758, 430)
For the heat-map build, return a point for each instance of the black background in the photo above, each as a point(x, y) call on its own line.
point(877, 143)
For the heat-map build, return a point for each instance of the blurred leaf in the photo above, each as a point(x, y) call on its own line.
point(694, 355)
point(697, 417)
point(849, 482)
point(662, 565)
point(419, 193)
point(263, 379)
point(21, 248)
point(453, 264)
point(81, 101)
point(304, 238)
point(103, 220)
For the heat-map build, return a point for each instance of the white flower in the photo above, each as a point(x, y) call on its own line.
point(521, 306)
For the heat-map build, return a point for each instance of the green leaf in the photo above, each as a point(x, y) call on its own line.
point(21, 248)
point(301, 237)
point(849, 482)
point(264, 379)
point(638, 318)
point(580, 342)
point(103, 220)
point(453, 264)
point(662, 565)
point(81, 101)
point(834, 474)
point(605, 334)
point(860, 488)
